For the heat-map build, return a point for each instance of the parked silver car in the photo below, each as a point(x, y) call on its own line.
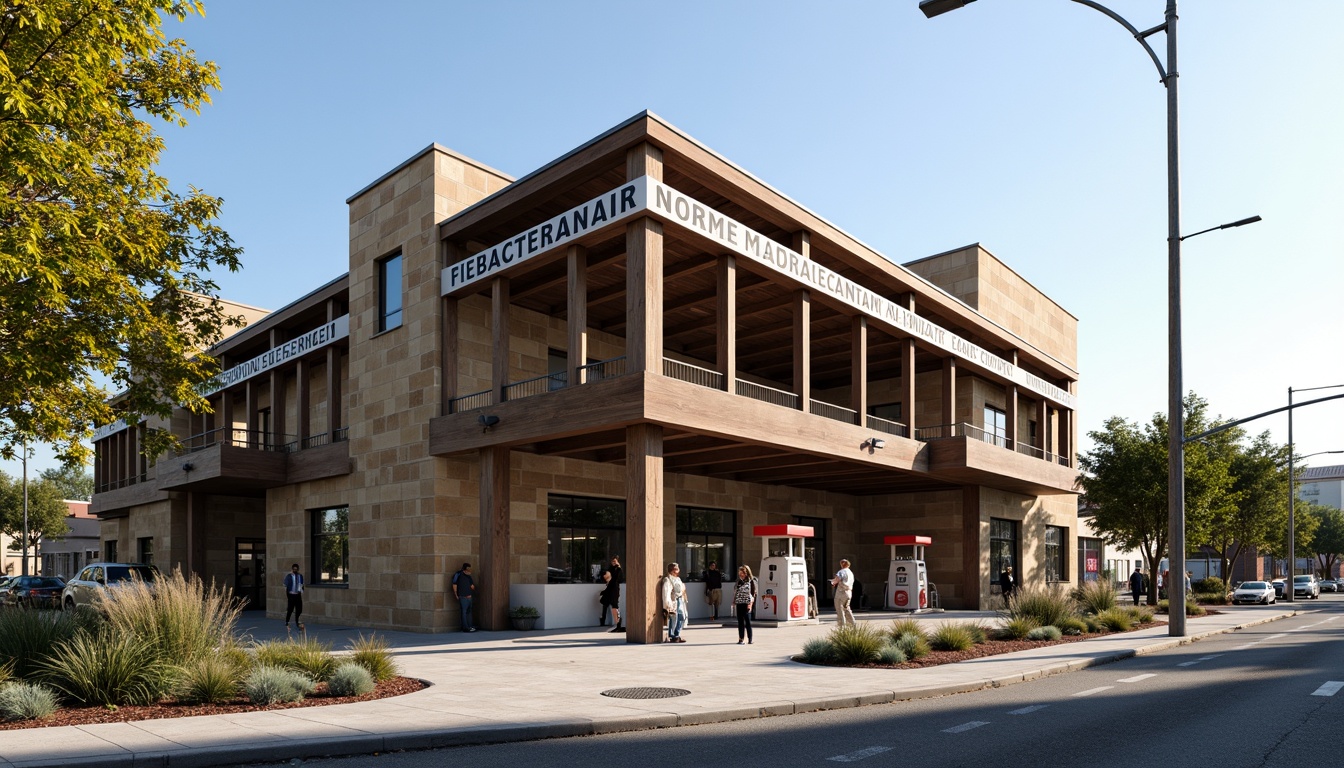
point(92, 583)
point(1306, 586)
point(1253, 592)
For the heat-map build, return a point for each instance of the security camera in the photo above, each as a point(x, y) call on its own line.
point(487, 421)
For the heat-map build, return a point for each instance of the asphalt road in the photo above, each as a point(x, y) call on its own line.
point(1265, 696)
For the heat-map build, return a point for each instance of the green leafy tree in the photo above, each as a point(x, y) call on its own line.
point(1258, 511)
point(46, 512)
point(1305, 524)
point(71, 482)
point(1327, 541)
point(1124, 478)
point(102, 266)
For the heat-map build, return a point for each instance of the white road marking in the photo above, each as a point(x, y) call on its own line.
point(1136, 678)
point(1210, 656)
point(965, 726)
point(1188, 663)
point(861, 754)
point(1029, 710)
point(1091, 691)
point(1272, 637)
point(1329, 689)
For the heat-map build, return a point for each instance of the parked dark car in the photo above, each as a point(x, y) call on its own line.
point(33, 592)
point(1280, 589)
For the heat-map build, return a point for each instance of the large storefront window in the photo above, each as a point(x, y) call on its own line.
point(582, 535)
point(1055, 564)
point(331, 546)
point(1089, 559)
point(1002, 547)
point(706, 536)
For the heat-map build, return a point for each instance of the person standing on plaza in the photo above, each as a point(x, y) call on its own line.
point(714, 588)
point(1007, 583)
point(1188, 591)
point(294, 597)
point(844, 585)
point(1136, 584)
point(674, 603)
point(611, 595)
point(744, 601)
point(464, 589)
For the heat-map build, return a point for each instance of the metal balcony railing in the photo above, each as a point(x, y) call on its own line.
point(239, 438)
point(472, 402)
point(890, 427)
point(767, 394)
point(692, 374)
point(831, 411)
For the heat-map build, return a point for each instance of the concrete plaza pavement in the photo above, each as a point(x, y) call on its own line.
point(512, 686)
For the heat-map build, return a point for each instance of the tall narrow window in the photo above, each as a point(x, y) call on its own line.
point(1055, 563)
point(996, 426)
point(110, 550)
point(1002, 547)
point(582, 536)
point(146, 553)
point(331, 546)
point(389, 293)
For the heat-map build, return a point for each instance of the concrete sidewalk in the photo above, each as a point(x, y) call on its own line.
point(514, 686)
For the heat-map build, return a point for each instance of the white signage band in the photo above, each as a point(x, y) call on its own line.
point(646, 195)
point(319, 337)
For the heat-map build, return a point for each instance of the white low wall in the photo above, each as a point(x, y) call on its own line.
point(576, 605)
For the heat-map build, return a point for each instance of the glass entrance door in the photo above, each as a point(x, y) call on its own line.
point(250, 573)
point(814, 554)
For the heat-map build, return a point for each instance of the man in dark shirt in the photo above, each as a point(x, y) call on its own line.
point(714, 588)
point(464, 589)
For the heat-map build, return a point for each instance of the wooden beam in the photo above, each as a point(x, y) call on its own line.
point(974, 555)
point(858, 370)
point(907, 385)
point(449, 347)
point(725, 311)
point(492, 608)
point(1010, 408)
point(499, 336)
point(644, 296)
point(949, 390)
point(727, 454)
point(802, 349)
point(644, 532)
point(303, 375)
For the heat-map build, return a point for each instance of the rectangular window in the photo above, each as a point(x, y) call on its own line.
point(996, 426)
point(389, 293)
point(706, 536)
point(888, 411)
point(1002, 547)
point(1055, 564)
point(331, 546)
point(110, 550)
point(145, 550)
point(582, 535)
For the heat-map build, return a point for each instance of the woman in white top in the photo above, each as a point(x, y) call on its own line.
point(674, 603)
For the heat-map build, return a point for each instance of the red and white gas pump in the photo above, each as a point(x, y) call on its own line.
point(907, 577)
point(782, 580)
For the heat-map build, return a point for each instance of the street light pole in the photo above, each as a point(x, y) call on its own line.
point(23, 565)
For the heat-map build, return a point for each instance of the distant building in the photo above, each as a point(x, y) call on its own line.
point(65, 556)
point(1323, 485)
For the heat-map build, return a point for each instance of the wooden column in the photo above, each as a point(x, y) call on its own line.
point(802, 349)
point(277, 384)
point(1066, 427)
point(974, 556)
point(499, 336)
point(576, 259)
point(1010, 407)
point(225, 416)
point(335, 410)
point(643, 532)
point(303, 374)
point(907, 382)
point(195, 535)
point(644, 296)
point(950, 394)
point(448, 349)
point(491, 610)
point(1043, 427)
point(726, 319)
point(858, 367)
point(250, 397)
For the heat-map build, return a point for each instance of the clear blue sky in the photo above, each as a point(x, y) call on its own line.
point(1036, 128)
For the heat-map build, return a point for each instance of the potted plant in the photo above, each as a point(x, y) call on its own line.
point(524, 617)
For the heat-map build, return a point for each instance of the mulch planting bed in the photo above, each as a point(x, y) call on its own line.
point(397, 686)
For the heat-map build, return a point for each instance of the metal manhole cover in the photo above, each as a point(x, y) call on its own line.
point(646, 693)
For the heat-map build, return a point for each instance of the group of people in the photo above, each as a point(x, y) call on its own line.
point(676, 608)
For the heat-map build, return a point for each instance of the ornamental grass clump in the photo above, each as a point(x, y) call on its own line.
point(1191, 607)
point(1142, 614)
point(276, 685)
point(1116, 620)
point(1096, 596)
point(311, 657)
point(891, 654)
point(818, 650)
point(372, 654)
point(350, 679)
point(27, 701)
point(979, 634)
point(211, 680)
point(914, 647)
point(906, 626)
point(1072, 626)
point(857, 643)
point(109, 669)
point(1016, 628)
point(951, 637)
point(1042, 605)
point(182, 618)
point(27, 638)
point(1045, 633)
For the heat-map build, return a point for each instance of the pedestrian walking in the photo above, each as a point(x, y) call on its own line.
point(744, 601)
point(844, 584)
point(294, 597)
point(1136, 584)
point(1007, 583)
point(714, 588)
